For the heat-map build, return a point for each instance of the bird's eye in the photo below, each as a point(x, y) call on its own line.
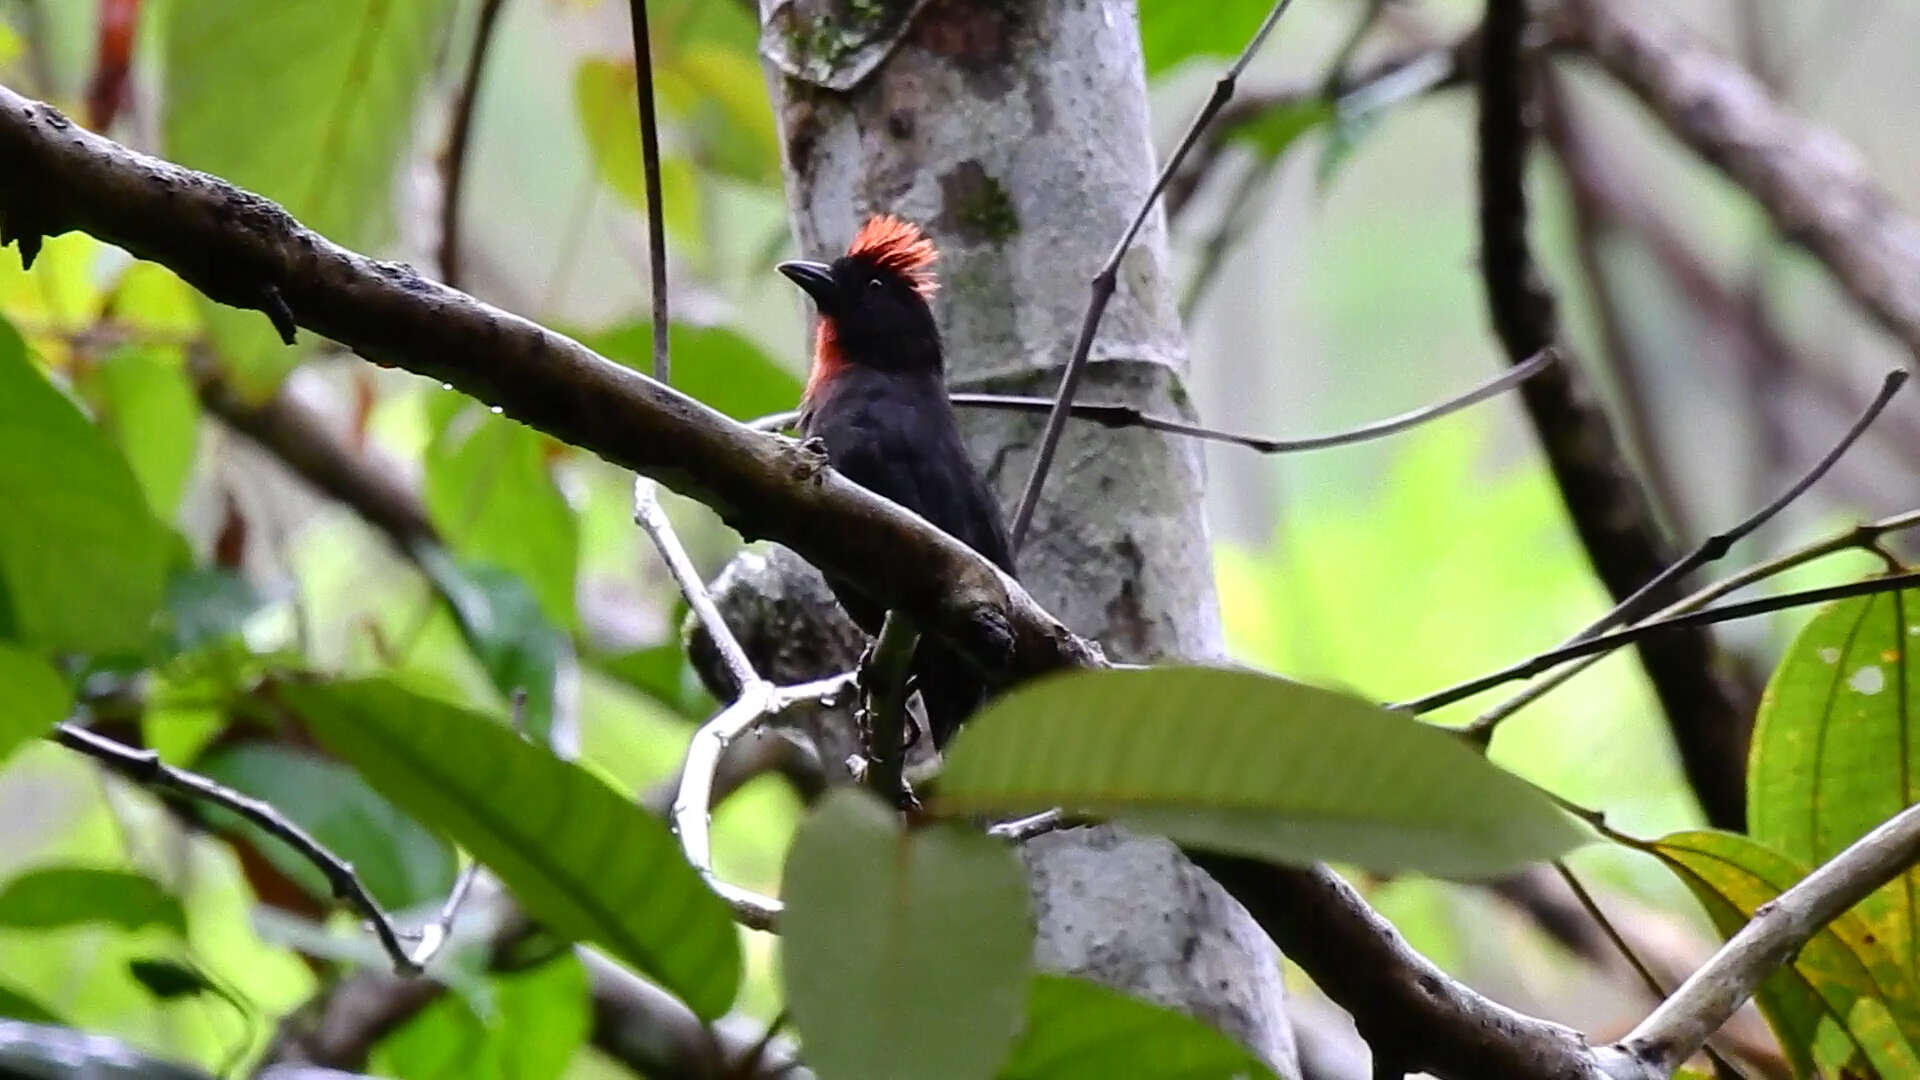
point(873, 284)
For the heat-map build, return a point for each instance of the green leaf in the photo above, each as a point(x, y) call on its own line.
point(1272, 131)
point(489, 493)
point(400, 862)
point(71, 895)
point(609, 113)
point(308, 102)
point(1833, 752)
point(81, 557)
point(33, 698)
point(504, 627)
point(1840, 967)
point(150, 408)
point(1174, 31)
point(15, 1005)
point(718, 366)
point(527, 1028)
point(1252, 765)
point(584, 860)
point(1078, 1030)
point(904, 953)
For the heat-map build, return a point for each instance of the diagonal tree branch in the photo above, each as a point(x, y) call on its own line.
point(1706, 711)
point(1812, 183)
point(243, 250)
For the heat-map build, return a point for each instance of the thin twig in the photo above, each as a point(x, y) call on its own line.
point(1717, 546)
point(758, 702)
point(1714, 547)
point(653, 520)
point(650, 165)
point(453, 163)
point(1021, 830)
point(1126, 416)
point(883, 686)
point(1606, 643)
point(144, 767)
point(1105, 281)
point(1683, 1022)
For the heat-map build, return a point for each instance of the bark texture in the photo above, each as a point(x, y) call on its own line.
point(1016, 132)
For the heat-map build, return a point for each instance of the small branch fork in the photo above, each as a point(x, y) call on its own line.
point(1107, 279)
point(759, 702)
point(145, 768)
point(1713, 548)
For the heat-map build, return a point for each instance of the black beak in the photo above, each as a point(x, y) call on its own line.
point(815, 278)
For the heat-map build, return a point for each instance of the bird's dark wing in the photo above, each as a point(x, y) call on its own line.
point(894, 434)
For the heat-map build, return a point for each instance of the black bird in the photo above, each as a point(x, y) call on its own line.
point(877, 397)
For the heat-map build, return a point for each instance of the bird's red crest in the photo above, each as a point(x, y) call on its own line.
point(899, 246)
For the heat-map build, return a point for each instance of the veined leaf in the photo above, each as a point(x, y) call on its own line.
point(1835, 753)
point(1840, 970)
point(1251, 765)
point(586, 862)
point(904, 953)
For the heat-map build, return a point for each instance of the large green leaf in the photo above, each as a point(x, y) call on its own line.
point(490, 495)
point(1834, 753)
point(81, 557)
point(33, 698)
point(401, 862)
point(716, 365)
point(1078, 1030)
point(528, 1027)
point(70, 895)
point(586, 862)
point(1253, 765)
point(904, 953)
point(308, 102)
point(1845, 973)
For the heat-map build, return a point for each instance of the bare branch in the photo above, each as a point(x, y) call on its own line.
point(1606, 643)
point(1106, 280)
point(653, 521)
point(759, 701)
point(883, 685)
point(302, 440)
point(1707, 712)
point(145, 768)
point(650, 166)
point(453, 163)
point(1683, 1023)
point(233, 245)
point(1813, 184)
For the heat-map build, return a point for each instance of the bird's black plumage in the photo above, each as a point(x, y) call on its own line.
point(877, 398)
